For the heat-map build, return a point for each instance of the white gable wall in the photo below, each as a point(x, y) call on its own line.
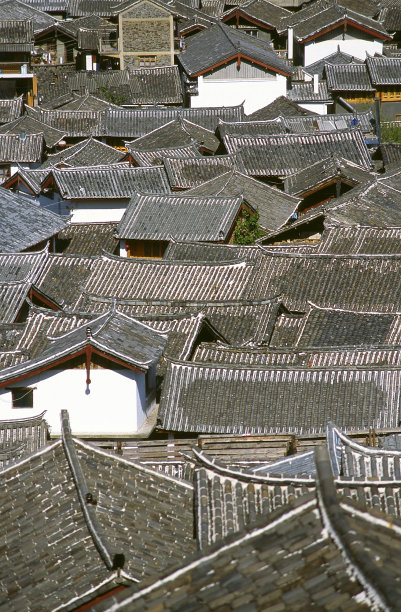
point(356, 47)
point(97, 211)
point(229, 87)
point(115, 404)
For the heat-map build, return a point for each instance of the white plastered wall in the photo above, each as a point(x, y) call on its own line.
point(114, 406)
point(355, 47)
point(86, 211)
point(255, 93)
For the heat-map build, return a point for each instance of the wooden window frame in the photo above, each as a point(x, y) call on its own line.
point(147, 61)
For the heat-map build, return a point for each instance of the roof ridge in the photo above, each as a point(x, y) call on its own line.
point(369, 574)
point(87, 501)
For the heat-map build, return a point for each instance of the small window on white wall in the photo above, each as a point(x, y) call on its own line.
point(22, 397)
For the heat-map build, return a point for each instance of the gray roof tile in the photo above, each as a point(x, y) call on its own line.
point(25, 223)
point(179, 217)
point(220, 43)
point(114, 181)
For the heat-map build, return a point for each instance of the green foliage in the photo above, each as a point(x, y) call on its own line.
point(110, 95)
point(390, 133)
point(247, 230)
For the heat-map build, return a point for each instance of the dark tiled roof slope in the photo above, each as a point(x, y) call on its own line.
point(184, 173)
point(25, 223)
point(54, 525)
point(220, 43)
point(16, 148)
point(29, 125)
point(88, 238)
point(273, 206)
point(348, 77)
point(154, 217)
point(239, 400)
point(282, 155)
point(88, 152)
point(10, 109)
point(109, 182)
point(384, 70)
point(178, 132)
point(351, 282)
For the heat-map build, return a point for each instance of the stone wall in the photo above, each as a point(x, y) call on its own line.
point(148, 36)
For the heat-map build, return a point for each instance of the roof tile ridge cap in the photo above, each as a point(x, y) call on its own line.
point(83, 325)
point(370, 576)
point(225, 471)
point(112, 560)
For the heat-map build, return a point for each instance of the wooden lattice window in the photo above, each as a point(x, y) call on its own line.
point(147, 61)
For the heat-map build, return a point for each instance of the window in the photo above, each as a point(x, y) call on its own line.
point(22, 397)
point(147, 61)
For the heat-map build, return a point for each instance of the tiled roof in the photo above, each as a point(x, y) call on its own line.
point(63, 277)
point(160, 85)
point(87, 102)
point(72, 123)
point(155, 157)
point(336, 121)
point(373, 204)
point(263, 11)
point(317, 18)
point(391, 154)
point(87, 238)
point(390, 17)
point(282, 155)
point(384, 70)
point(32, 178)
point(112, 333)
point(176, 133)
point(348, 77)
point(90, 152)
point(319, 173)
point(10, 109)
point(21, 148)
point(303, 93)
point(90, 22)
point(328, 327)
point(25, 223)
point(179, 217)
point(29, 125)
point(366, 283)
point(220, 43)
point(17, 33)
point(84, 8)
point(251, 128)
point(17, 273)
point(114, 181)
point(280, 107)
point(339, 57)
point(51, 6)
point(142, 280)
point(241, 501)
point(237, 321)
point(237, 400)
point(359, 240)
point(274, 208)
point(20, 438)
point(131, 123)
point(200, 251)
point(84, 544)
point(136, 123)
point(184, 173)
point(14, 10)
